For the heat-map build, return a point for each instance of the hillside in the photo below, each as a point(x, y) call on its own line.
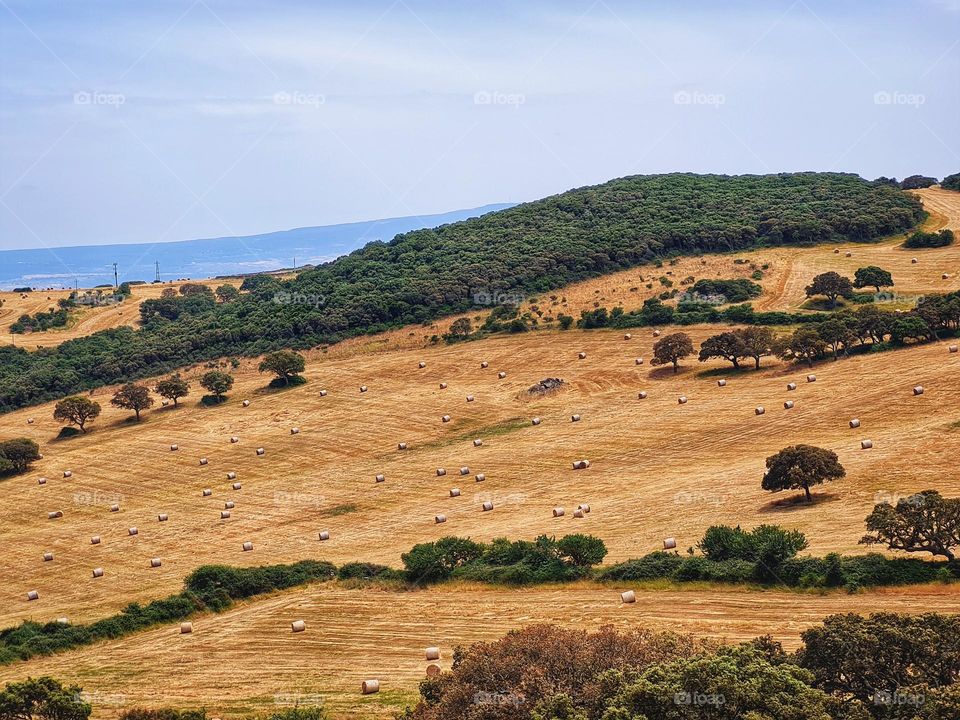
point(426, 274)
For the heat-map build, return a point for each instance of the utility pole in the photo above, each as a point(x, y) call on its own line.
point(116, 282)
point(157, 279)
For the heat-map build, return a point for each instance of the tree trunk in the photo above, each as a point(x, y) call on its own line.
point(676, 366)
point(736, 363)
point(806, 490)
point(137, 412)
point(756, 359)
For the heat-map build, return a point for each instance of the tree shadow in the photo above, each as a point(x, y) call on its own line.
point(798, 502)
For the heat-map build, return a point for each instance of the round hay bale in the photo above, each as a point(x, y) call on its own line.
point(811, 378)
point(945, 276)
point(953, 348)
point(247, 546)
point(535, 421)
point(759, 410)
point(324, 534)
point(836, 251)
point(41, 481)
point(443, 386)
point(294, 431)
point(63, 621)
point(231, 476)
point(478, 442)
point(501, 375)
point(669, 543)
point(229, 505)
point(246, 403)
point(788, 405)
point(866, 444)
point(224, 514)
point(479, 477)
point(487, 506)
point(721, 383)
point(484, 364)
point(370, 686)
point(446, 418)
point(441, 472)
point(95, 540)
point(578, 513)
point(574, 418)
point(470, 398)
point(582, 356)
point(162, 517)
point(67, 473)
point(55, 514)
point(855, 423)
point(849, 254)
point(155, 562)
point(454, 492)
point(363, 388)
point(682, 400)
point(433, 670)
point(422, 365)
point(638, 361)
point(234, 439)
point(29, 421)
point(236, 486)
point(656, 333)
point(204, 461)
point(174, 448)
point(33, 595)
point(298, 626)
point(918, 390)
point(464, 470)
point(628, 597)
point(913, 261)
point(47, 556)
point(98, 572)
point(164, 402)
point(439, 519)
point(186, 628)
point(558, 512)
point(581, 464)
point(323, 393)
point(380, 478)
point(791, 386)
point(260, 451)
point(583, 506)
point(207, 492)
point(642, 395)
point(432, 653)
point(132, 531)
point(401, 446)
point(627, 336)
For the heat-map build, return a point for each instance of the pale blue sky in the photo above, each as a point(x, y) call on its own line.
point(146, 121)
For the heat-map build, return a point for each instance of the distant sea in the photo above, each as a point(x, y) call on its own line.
point(92, 265)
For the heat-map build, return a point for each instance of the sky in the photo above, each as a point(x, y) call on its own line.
point(162, 120)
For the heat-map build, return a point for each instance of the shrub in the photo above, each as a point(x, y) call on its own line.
point(922, 239)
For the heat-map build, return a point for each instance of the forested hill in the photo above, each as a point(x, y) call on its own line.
point(424, 274)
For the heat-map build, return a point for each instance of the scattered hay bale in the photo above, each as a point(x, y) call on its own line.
point(98, 572)
point(63, 621)
point(721, 383)
point(656, 333)
point(437, 519)
point(578, 513)
point(836, 251)
point(791, 386)
point(370, 686)
point(247, 546)
point(323, 393)
point(454, 492)
point(246, 403)
point(478, 442)
point(628, 597)
point(298, 626)
point(186, 628)
point(260, 451)
point(866, 444)
point(642, 395)
point(132, 531)
point(638, 361)
point(945, 276)
point(487, 506)
point(484, 364)
point(55, 514)
point(380, 478)
point(324, 534)
point(441, 472)
point(231, 476)
point(443, 386)
point(33, 595)
point(581, 464)
point(294, 431)
point(918, 390)
point(224, 514)
point(479, 477)
point(759, 410)
point(583, 506)
point(582, 355)
point(236, 486)
point(47, 556)
point(229, 505)
point(204, 461)
point(669, 543)
point(67, 473)
point(855, 423)
point(682, 400)
point(162, 517)
point(446, 418)
point(953, 348)
point(207, 492)
point(432, 653)
point(95, 540)
point(422, 364)
point(234, 439)
point(464, 470)
point(501, 375)
point(574, 418)
point(788, 405)
point(558, 512)
point(363, 388)
point(29, 421)
point(627, 336)
point(401, 446)
point(913, 261)
point(470, 398)
point(174, 448)
point(535, 421)
point(41, 481)
point(811, 378)
point(433, 670)
point(155, 562)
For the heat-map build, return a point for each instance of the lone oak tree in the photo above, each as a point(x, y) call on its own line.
point(672, 349)
point(800, 466)
point(872, 276)
point(925, 522)
point(76, 410)
point(132, 397)
point(832, 285)
point(174, 387)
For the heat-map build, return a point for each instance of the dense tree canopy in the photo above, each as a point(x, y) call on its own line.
point(800, 466)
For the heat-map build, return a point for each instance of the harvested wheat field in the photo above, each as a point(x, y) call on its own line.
point(248, 660)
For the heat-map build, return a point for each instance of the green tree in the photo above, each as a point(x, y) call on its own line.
point(802, 344)
point(133, 397)
point(285, 364)
point(836, 334)
point(801, 466)
point(227, 293)
point(195, 290)
point(566, 321)
point(757, 342)
point(76, 410)
point(672, 349)
point(832, 285)
point(19, 453)
point(582, 550)
point(173, 388)
point(924, 522)
point(727, 345)
point(42, 698)
point(872, 276)
point(432, 562)
point(460, 329)
point(218, 383)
